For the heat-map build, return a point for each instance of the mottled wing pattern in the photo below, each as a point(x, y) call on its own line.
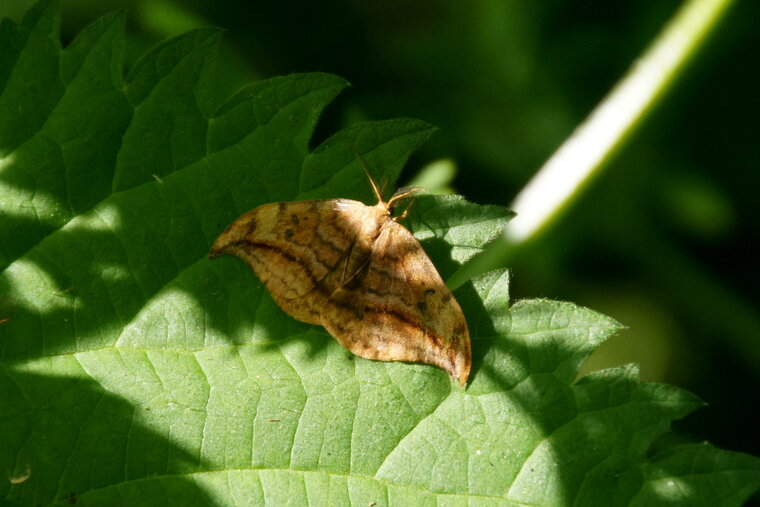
point(397, 308)
point(352, 269)
point(296, 249)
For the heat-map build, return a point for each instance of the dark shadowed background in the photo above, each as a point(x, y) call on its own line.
point(664, 241)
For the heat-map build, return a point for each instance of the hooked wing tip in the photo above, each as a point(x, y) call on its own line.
point(219, 247)
point(459, 368)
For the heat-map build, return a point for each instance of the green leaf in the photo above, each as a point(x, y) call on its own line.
point(136, 371)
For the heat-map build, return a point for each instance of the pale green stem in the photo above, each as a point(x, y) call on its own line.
point(579, 159)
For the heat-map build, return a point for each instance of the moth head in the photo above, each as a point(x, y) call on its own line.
point(401, 193)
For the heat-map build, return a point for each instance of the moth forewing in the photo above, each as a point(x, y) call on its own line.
point(356, 271)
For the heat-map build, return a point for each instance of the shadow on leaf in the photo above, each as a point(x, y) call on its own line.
point(66, 436)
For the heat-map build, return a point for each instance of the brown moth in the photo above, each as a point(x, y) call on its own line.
point(356, 271)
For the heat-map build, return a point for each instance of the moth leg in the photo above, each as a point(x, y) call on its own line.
point(344, 274)
point(406, 210)
point(404, 214)
point(357, 262)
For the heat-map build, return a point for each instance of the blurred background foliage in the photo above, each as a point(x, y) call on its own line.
point(663, 241)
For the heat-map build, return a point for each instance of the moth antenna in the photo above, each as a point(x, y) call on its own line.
point(374, 186)
point(403, 192)
point(371, 181)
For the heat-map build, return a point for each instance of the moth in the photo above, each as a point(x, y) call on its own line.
point(356, 271)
